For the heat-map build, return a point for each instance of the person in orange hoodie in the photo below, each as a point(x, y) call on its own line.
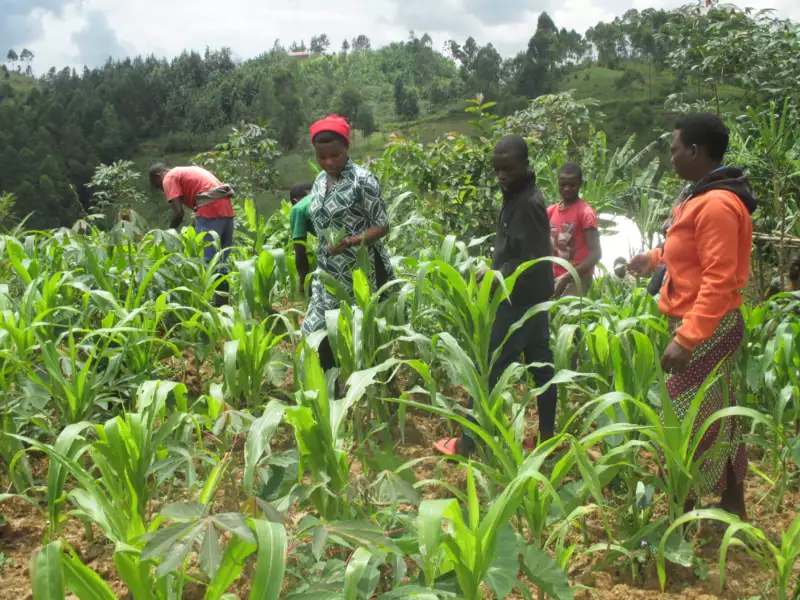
point(707, 255)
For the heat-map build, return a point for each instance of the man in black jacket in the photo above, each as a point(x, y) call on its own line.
point(523, 234)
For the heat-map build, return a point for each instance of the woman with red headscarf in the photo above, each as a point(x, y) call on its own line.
point(345, 197)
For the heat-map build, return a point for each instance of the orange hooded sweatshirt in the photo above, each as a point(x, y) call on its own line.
point(707, 254)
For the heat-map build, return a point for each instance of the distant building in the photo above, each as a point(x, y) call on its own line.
point(303, 55)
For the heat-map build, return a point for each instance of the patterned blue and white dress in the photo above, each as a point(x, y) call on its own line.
point(354, 203)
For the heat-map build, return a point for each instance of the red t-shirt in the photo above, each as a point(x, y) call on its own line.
point(187, 182)
point(568, 231)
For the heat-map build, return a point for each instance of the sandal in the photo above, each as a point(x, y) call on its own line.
point(447, 446)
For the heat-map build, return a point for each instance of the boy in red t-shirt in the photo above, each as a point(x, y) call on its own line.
point(574, 233)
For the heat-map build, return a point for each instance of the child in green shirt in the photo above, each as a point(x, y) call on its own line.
point(300, 226)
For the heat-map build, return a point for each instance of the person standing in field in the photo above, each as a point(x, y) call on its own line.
point(300, 226)
point(707, 254)
point(346, 198)
point(523, 234)
point(576, 239)
point(210, 199)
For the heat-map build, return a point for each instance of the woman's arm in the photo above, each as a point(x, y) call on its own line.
point(370, 236)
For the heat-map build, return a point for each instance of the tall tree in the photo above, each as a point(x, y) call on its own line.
point(350, 102)
point(365, 121)
point(319, 44)
point(12, 57)
point(26, 56)
point(361, 44)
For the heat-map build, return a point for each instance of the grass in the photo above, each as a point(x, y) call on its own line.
point(20, 82)
point(600, 83)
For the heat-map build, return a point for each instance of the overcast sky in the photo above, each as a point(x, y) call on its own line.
point(78, 32)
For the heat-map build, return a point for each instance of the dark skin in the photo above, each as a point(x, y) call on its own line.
point(333, 157)
point(157, 181)
point(569, 188)
point(511, 172)
point(692, 163)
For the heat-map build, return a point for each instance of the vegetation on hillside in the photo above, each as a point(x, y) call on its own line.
point(55, 132)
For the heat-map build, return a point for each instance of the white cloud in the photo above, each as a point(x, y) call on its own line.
point(53, 28)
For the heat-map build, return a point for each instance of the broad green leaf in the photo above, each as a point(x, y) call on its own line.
point(47, 575)
point(230, 568)
point(502, 574)
point(175, 556)
point(83, 581)
point(184, 511)
point(357, 568)
point(159, 542)
point(268, 577)
point(543, 571)
point(258, 439)
point(235, 523)
point(210, 554)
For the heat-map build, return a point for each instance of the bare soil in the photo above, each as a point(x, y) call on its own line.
point(24, 529)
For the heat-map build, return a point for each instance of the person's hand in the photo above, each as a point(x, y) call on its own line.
point(343, 245)
point(675, 359)
point(561, 285)
point(639, 265)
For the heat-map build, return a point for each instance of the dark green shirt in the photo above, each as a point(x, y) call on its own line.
point(299, 220)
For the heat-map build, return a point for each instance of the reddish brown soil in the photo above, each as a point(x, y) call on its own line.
point(23, 532)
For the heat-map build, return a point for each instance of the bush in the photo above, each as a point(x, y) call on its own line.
point(185, 141)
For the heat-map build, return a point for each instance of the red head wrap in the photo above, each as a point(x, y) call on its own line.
point(333, 123)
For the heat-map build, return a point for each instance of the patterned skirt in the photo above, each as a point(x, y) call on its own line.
point(717, 447)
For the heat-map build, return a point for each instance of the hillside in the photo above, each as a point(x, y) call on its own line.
point(54, 132)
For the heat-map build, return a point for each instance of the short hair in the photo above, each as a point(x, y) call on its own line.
point(513, 145)
point(157, 169)
point(620, 261)
point(300, 190)
point(705, 130)
point(326, 137)
point(569, 169)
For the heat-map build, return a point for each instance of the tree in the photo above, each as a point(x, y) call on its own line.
point(345, 47)
point(365, 121)
point(26, 56)
point(116, 187)
point(12, 58)
point(7, 202)
point(406, 100)
point(608, 39)
point(285, 106)
point(361, 44)
point(350, 102)
point(319, 44)
point(295, 47)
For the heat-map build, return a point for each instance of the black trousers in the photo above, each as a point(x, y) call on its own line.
point(531, 342)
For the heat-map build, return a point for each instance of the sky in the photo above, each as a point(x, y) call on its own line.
point(86, 32)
